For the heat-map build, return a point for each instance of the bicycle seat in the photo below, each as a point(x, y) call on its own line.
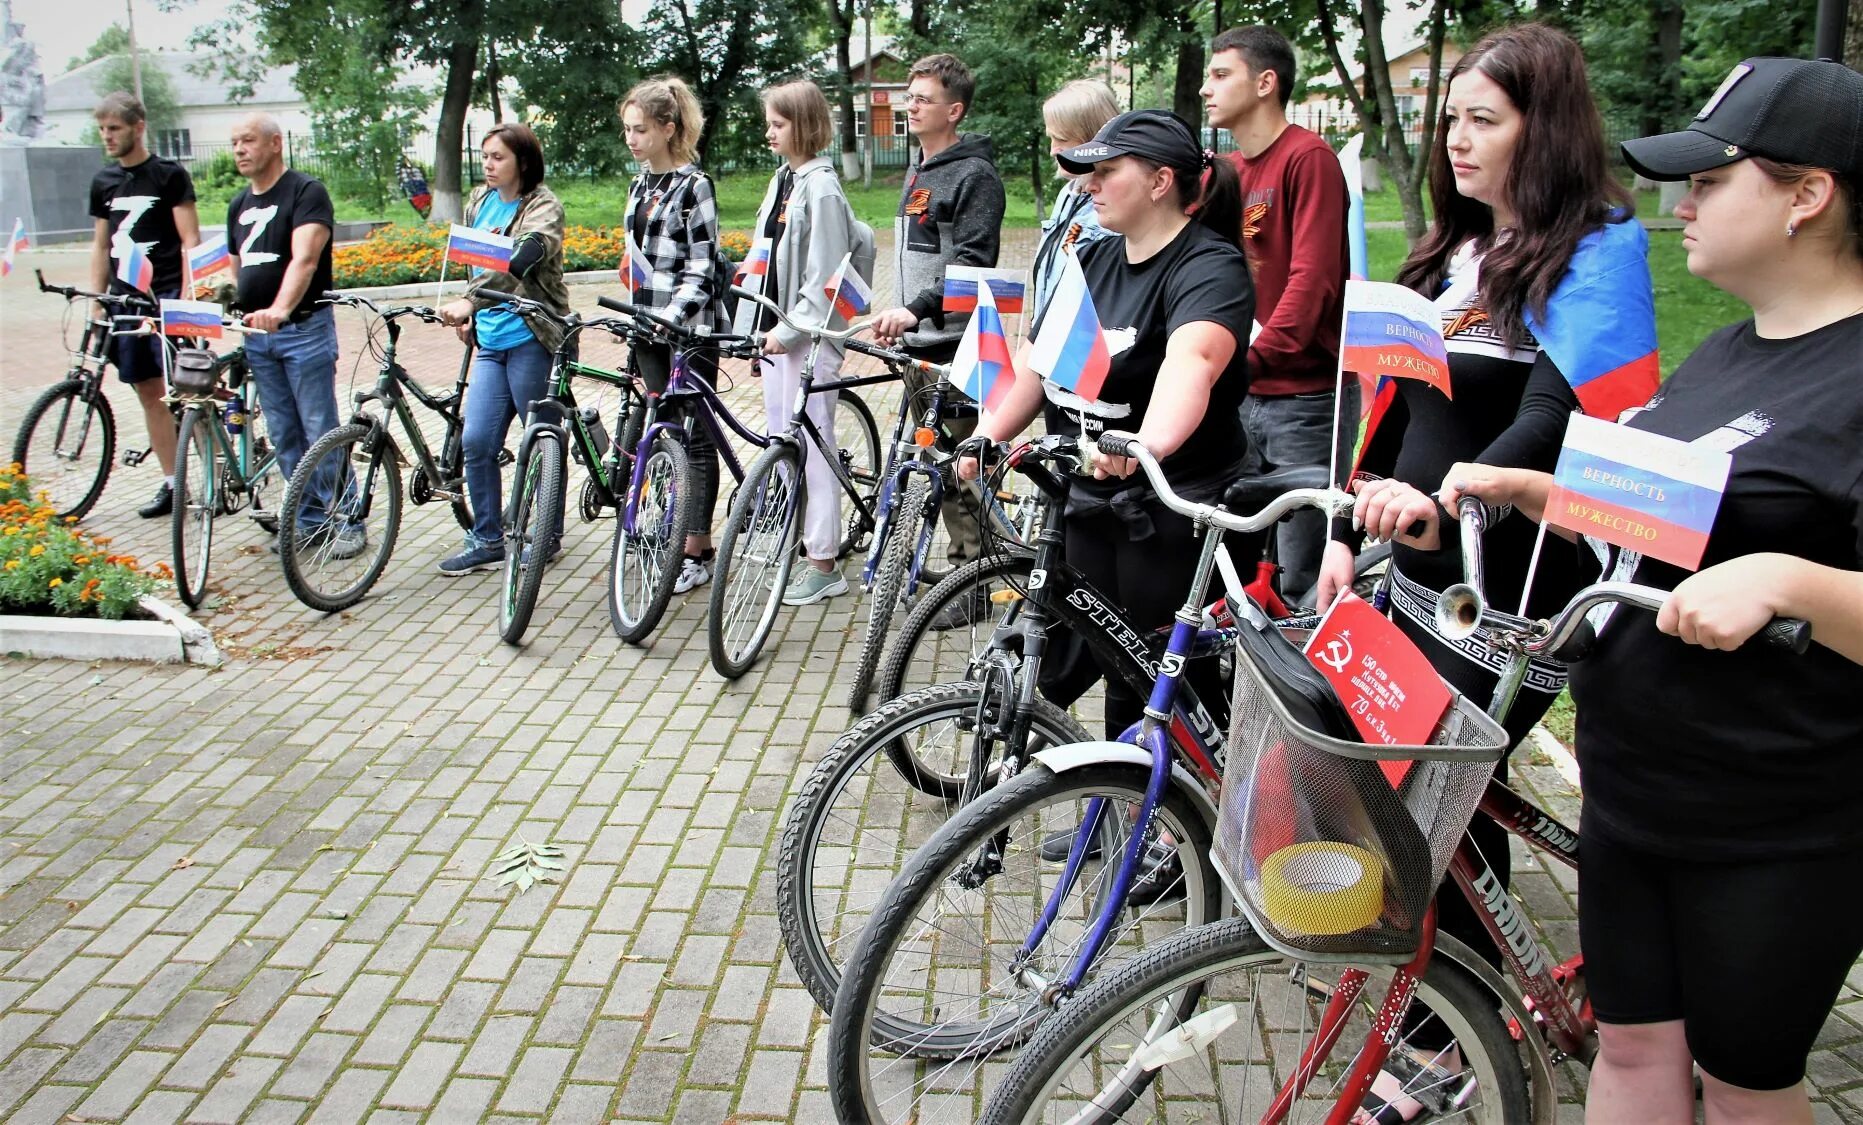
point(1252, 494)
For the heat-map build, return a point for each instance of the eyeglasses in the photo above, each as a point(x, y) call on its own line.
point(920, 101)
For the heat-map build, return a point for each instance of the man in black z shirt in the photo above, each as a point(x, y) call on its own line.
point(148, 202)
point(278, 232)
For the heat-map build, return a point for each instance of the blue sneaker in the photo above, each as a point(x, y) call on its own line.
point(552, 551)
point(472, 559)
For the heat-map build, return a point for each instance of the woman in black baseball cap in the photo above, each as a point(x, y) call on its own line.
point(1723, 777)
point(1172, 294)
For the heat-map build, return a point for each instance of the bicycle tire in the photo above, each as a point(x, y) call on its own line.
point(921, 656)
point(861, 1092)
point(72, 489)
point(811, 941)
point(902, 539)
point(538, 491)
point(751, 569)
point(196, 502)
point(1196, 962)
point(643, 567)
point(317, 578)
point(863, 460)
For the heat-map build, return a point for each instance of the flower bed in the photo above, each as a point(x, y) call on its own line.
point(404, 255)
point(49, 566)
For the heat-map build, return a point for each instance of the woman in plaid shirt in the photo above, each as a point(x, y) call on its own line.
point(673, 217)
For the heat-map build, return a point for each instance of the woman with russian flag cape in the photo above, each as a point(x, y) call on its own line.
point(1537, 271)
point(1145, 330)
point(1723, 775)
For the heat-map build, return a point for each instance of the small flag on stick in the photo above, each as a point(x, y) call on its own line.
point(847, 292)
point(1069, 349)
point(982, 368)
point(481, 248)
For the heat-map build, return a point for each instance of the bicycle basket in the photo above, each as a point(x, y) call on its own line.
point(1328, 858)
point(195, 371)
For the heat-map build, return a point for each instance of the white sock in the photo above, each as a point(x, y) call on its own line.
point(168, 481)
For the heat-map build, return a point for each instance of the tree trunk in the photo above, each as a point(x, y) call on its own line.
point(1038, 158)
point(921, 19)
point(449, 137)
point(1853, 37)
point(842, 12)
point(492, 75)
point(1185, 98)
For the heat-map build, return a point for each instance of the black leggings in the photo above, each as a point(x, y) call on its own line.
point(1748, 955)
point(656, 367)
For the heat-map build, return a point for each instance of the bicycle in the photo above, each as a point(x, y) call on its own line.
point(910, 503)
point(1130, 1046)
point(221, 463)
point(72, 418)
point(351, 476)
point(759, 542)
point(977, 937)
point(948, 742)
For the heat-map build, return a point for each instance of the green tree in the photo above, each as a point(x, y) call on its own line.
point(113, 41)
point(158, 90)
point(728, 50)
point(573, 85)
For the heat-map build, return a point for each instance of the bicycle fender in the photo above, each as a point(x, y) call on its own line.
point(1515, 1008)
point(530, 432)
point(1060, 759)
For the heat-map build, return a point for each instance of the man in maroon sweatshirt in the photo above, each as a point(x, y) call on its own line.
point(1294, 231)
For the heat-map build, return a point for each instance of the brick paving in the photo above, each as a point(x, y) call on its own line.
point(264, 892)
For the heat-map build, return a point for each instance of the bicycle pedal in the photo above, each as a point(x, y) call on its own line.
point(134, 457)
point(506, 457)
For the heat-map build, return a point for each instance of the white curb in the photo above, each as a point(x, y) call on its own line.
point(171, 638)
point(1562, 759)
point(427, 288)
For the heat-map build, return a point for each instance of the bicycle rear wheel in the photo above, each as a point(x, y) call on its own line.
point(196, 502)
point(67, 442)
point(1108, 1055)
point(341, 516)
point(645, 562)
point(755, 552)
point(889, 579)
point(923, 654)
point(940, 981)
point(857, 443)
point(536, 506)
point(858, 817)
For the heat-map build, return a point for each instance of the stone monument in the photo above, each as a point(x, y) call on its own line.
point(22, 84)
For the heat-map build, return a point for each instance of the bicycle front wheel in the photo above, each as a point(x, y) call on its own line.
point(341, 516)
point(858, 817)
point(950, 973)
point(755, 552)
point(857, 443)
point(645, 562)
point(536, 506)
point(67, 442)
point(889, 579)
point(1111, 1054)
point(196, 502)
point(937, 642)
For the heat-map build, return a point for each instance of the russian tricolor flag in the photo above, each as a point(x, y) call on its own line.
point(847, 291)
point(757, 262)
point(982, 368)
point(1642, 491)
point(1390, 330)
point(1069, 349)
point(962, 284)
point(191, 318)
point(635, 273)
point(135, 269)
point(482, 248)
point(1600, 323)
point(208, 259)
point(14, 245)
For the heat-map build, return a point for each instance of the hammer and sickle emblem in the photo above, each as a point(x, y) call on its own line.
point(1337, 655)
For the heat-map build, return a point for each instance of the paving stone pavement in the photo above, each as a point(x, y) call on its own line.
point(263, 892)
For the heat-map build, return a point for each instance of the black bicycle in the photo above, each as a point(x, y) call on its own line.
point(67, 440)
point(342, 507)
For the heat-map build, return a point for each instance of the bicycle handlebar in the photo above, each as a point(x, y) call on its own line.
point(73, 293)
point(1332, 501)
point(147, 327)
point(824, 332)
point(727, 342)
point(355, 300)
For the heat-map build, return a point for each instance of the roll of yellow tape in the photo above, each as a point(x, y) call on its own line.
point(1322, 887)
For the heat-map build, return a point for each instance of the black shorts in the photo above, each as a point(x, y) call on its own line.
point(138, 358)
point(1749, 955)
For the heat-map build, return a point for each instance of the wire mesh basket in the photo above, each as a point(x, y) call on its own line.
point(1334, 848)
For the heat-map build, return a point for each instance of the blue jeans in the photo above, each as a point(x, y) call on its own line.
point(295, 368)
point(504, 382)
point(1288, 430)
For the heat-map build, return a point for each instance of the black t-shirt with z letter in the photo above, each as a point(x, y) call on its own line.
point(258, 232)
point(1754, 753)
point(139, 205)
point(1197, 276)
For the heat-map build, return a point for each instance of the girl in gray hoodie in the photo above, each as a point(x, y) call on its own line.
point(807, 227)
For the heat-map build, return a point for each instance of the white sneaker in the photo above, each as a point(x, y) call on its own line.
point(693, 573)
point(811, 586)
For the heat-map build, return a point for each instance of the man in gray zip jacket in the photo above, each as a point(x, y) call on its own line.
point(950, 213)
